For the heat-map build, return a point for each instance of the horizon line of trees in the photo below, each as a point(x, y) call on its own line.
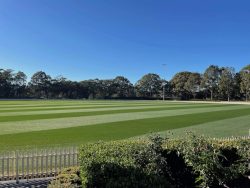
point(216, 83)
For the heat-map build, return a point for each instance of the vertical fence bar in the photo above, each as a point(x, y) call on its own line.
point(42, 154)
point(69, 152)
point(2, 166)
point(52, 162)
point(73, 158)
point(32, 164)
point(28, 165)
point(46, 163)
point(60, 161)
point(56, 154)
point(51, 158)
point(76, 152)
point(22, 165)
point(8, 165)
point(64, 158)
point(13, 165)
point(17, 167)
point(36, 158)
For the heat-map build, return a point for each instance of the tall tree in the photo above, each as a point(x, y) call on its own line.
point(166, 89)
point(211, 79)
point(58, 87)
point(123, 88)
point(96, 88)
point(104, 88)
point(237, 95)
point(226, 82)
point(192, 84)
point(6, 78)
point(19, 84)
point(149, 86)
point(178, 84)
point(245, 81)
point(40, 84)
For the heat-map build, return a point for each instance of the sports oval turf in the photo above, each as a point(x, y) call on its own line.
point(77, 122)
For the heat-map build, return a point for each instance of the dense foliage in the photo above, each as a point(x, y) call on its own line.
point(216, 83)
point(69, 178)
point(191, 162)
point(216, 163)
point(121, 164)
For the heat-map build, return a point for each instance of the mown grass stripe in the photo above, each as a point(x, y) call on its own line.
point(61, 102)
point(59, 108)
point(115, 130)
point(35, 125)
point(35, 115)
point(47, 102)
point(50, 105)
point(44, 108)
point(31, 112)
point(8, 107)
point(42, 103)
point(235, 126)
point(64, 111)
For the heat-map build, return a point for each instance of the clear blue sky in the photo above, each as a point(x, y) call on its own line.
point(83, 39)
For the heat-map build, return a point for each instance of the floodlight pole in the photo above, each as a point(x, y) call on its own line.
point(163, 86)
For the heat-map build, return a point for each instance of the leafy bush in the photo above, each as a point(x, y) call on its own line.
point(121, 164)
point(194, 161)
point(217, 163)
point(134, 164)
point(69, 178)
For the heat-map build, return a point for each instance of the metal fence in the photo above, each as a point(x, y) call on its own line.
point(37, 163)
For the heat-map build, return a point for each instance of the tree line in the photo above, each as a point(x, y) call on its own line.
point(216, 83)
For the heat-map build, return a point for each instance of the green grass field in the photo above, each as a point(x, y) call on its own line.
point(53, 123)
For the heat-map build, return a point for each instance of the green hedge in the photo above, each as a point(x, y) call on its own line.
point(216, 163)
point(191, 162)
point(120, 164)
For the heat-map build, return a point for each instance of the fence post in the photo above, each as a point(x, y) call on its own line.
point(73, 153)
point(3, 166)
point(28, 165)
point(46, 163)
point(64, 157)
point(32, 164)
point(37, 164)
point(42, 154)
point(77, 156)
point(13, 165)
point(51, 162)
point(8, 165)
point(17, 167)
point(22, 165)
point(56, 154)
point(60, 160)
point(69, 156)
